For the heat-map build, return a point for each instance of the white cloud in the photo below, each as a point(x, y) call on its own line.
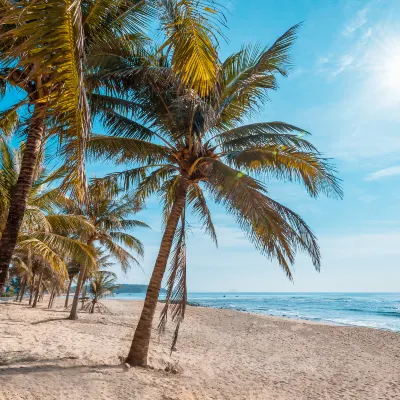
point(357, 22)
point(383, 173)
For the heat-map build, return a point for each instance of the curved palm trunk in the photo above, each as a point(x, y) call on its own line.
point(68, 290)
point(141, 340)
point(74, 309)
point(38, 289)
point(20, 192)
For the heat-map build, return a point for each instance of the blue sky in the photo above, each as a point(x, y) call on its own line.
point(345, 90)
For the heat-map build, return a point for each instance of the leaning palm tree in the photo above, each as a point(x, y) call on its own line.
point(182, 145)
point(46, 47)
point(102, 284)
point(111, 217)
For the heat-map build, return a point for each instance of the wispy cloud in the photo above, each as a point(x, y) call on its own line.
point(344, 63)
point(357, 22)
point(384, 173)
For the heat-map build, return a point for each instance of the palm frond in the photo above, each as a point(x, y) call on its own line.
point(199, 207)
point(275, 231)
point(247, 77)
point(176, 298)
point(264, 133)
point(45, 252)
point(128, 241)
point(289, 164)
point(192, 37)
point(69, 248)
point(126, 150)
point(70, 224)
point(124, 258)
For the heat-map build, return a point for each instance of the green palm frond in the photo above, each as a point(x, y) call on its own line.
point(106, 19)
point(70, 248)
point(9, 119)
point(289, 164)
point(199, 208)
point(247, 77)
point(45, 48)
point(128, 241)
point(46, 253)
point(127, 150)
point(70, 224)
point(275, 231)
point(176, 284)
point(191, 37)
point(264, 133)
point(124, 258)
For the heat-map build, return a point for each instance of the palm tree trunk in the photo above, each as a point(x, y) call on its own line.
point(22, 289)
point(32, 288)
point(74, 309)
point(21, 191)
point(140, 345)
point(83, 290)
point(52, 300)
point(68, 290)
point(38, 289)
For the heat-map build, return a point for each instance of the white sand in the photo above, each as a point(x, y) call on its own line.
point(221, 355)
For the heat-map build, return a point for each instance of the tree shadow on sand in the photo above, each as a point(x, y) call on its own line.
point(32, 369)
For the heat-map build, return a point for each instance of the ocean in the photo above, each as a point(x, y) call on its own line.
point(373, 310)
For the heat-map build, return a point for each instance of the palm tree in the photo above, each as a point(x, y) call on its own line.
point(110, 215)
point(182, 144)
point(102, 284)
point(44, 49)
point(46, 237)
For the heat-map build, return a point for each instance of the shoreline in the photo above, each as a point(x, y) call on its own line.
point(221, 354)
point(378, 312)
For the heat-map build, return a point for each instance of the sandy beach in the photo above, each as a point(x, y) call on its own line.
point(221, 354)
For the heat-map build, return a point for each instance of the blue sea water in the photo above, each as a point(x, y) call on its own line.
point(374, 310)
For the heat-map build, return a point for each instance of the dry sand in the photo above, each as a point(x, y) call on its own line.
point(221, 354)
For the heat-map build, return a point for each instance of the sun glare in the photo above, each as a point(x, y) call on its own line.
point(391, 71)
point(389, 60)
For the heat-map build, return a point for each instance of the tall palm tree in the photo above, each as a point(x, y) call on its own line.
point(182, 144)
point(111, 217)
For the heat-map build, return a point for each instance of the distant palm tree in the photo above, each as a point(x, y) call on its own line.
point(185, 143)
point(110, 215)
point(102, 284)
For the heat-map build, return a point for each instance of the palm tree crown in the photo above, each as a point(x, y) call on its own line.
point(182, 144)
point(182, 137)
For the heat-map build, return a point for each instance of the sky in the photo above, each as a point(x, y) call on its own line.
point(345, 89)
